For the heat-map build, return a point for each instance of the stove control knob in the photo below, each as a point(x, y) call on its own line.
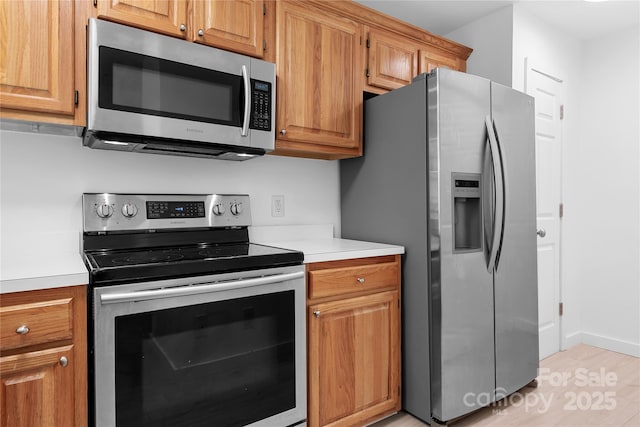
point(129, 210)
point(104, 210)
point(236, 208)
point(218, 209)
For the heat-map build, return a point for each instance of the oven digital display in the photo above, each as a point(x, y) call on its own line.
point(156, 210)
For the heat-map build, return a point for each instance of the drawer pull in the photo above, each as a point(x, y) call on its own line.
point(64, 361)
point(360, 279)
point(22, 330)
point(316, 313)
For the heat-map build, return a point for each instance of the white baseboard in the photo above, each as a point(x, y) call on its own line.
point(619, 346)
point(572, 340)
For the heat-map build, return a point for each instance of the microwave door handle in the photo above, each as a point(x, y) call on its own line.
point(247, 102)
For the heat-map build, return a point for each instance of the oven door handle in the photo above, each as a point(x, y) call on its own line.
point(179, 291)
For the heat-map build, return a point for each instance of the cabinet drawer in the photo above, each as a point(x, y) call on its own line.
point(36, 323)
point(346, 280)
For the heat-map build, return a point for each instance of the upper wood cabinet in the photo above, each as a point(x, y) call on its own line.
point(234, 25)
point(323, 66)
point(166, 16)
point(392, 60)
point(319, 88)
point(36, 62)
point(432, 58)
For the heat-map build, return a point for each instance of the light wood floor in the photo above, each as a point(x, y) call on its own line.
point(600, 387)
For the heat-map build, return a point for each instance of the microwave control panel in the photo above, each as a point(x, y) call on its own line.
point(261, 105)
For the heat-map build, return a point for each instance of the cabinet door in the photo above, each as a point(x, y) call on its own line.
point(430, 59)
point(319, 81)
point(36, 58)
point(165, 16)
point(354, 363)
point(233, 25)
point(37, 389)
point(392, 60)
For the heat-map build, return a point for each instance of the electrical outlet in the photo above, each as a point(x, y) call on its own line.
point(277, 206)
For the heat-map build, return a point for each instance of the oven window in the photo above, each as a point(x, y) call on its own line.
point(144, 84)
point(227, 363)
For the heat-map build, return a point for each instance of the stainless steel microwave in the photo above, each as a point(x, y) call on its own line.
point(156, 94)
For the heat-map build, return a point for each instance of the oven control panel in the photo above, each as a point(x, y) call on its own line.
point(119, 212)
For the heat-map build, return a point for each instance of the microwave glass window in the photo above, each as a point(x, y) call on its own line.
point(152, 90)
point(144, 84)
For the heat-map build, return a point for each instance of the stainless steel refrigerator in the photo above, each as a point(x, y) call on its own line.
point(449, 172)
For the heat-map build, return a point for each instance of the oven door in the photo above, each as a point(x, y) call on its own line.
point(223, 350)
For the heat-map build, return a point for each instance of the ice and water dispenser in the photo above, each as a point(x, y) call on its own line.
point(467, 212)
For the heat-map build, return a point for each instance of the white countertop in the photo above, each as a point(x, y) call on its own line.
point(320, 250)
point(51, 270)
point(56, 261)
point(318, 243)
point(46, 260)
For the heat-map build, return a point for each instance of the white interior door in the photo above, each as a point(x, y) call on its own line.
point(546, 90)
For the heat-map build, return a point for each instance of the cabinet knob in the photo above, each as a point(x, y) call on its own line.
point(22, 330)
point(183, 27)
point(64, 361)
point(200, 32)
point(360, 279)
point(316, 313)
point(541, 232)
point(283, 132)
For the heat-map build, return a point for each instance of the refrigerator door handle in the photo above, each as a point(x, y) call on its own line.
point(503, 205)
point(488, 202)
point(495, 199)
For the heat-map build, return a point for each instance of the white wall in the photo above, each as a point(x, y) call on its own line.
point(559, 55)
point(600, 182)
point(491, 40)
point(43, 178)
point(604, 176)
point(600, 267)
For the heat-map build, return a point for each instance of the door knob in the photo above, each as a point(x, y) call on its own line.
point(541, 232)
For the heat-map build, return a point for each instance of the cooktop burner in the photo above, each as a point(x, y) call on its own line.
point(132, 238)
point(145, 257)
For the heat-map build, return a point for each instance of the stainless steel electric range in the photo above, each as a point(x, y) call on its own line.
point(190, 323)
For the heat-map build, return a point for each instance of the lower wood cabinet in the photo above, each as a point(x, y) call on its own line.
point(353, 318)
point(43, 358)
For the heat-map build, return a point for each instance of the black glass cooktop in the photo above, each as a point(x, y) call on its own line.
point(108, 267)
